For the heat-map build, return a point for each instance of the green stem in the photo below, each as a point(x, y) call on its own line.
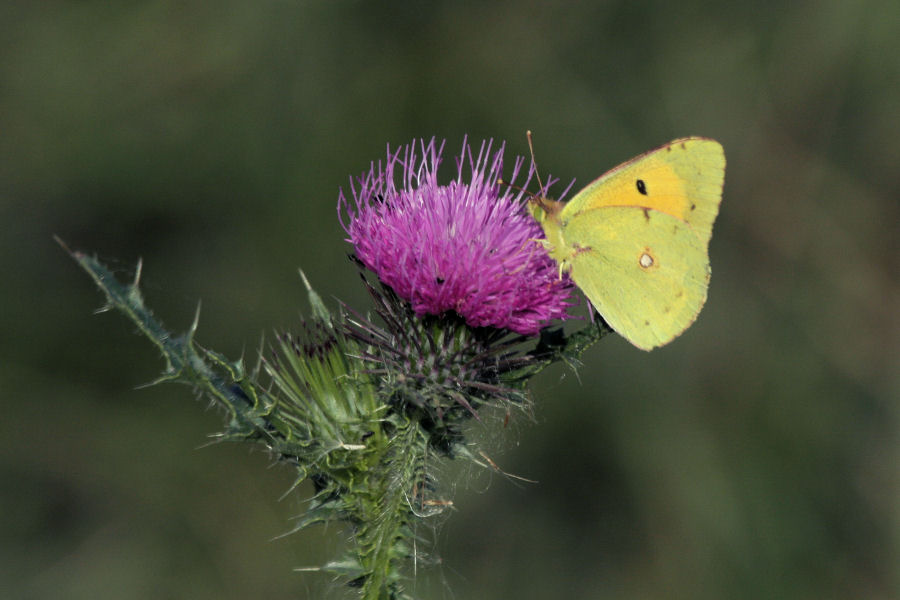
point(384, 541)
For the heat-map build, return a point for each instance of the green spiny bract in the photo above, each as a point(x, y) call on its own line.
point(368, 462)
point(437, 369)
point(362, 411)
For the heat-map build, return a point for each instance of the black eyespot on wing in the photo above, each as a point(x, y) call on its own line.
point(642, 187)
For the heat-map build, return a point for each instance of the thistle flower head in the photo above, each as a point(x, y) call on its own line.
point(466, 247)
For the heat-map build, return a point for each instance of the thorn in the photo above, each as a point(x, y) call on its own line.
point(196, 323)
point(169, 375)
point(59, 241)
point(293, 487)
point(137, 272)
point(465, 403)
point(305, 280)
point(75, 254)
point(105, 308)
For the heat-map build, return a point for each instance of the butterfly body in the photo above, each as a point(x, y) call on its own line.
point(636, 239)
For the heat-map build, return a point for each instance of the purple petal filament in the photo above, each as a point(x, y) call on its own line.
point(467, 246)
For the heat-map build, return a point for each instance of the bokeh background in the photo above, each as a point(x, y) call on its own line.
point(755, 457)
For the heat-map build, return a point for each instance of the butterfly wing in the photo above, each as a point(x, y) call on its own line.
point(645, 271)
point(683, 179)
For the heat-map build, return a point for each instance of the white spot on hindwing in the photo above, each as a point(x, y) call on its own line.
point(646, 260)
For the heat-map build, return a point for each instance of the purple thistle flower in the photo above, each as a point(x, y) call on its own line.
point(466, 247)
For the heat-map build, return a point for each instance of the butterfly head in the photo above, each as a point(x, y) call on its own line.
point(544, 209)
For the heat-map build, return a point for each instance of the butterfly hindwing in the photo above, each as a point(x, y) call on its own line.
point(645, 271)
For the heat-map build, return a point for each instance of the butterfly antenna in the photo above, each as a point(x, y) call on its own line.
point(533, 161)
point(513, 186)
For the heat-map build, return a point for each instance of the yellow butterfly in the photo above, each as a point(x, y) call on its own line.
point(636, 240)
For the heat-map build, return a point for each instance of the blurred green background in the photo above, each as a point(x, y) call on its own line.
point(755, 457)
